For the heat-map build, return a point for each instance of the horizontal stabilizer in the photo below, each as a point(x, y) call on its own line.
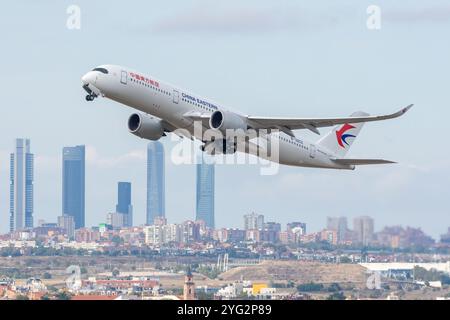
point(359, 162)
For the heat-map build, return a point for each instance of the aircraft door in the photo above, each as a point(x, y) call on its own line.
point(176, 96)
point(312, 151)
point(123, 77)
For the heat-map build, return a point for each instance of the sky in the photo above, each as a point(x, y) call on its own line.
point(266, 58)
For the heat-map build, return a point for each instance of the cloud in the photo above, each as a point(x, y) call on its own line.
point(240, 21)
point(433, 14)
point(43, 162)
point(394, 181)
point(95, 159)
point(51, 163)
point(206, 19)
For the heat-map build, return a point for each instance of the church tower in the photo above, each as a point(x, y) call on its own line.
point(189, 288)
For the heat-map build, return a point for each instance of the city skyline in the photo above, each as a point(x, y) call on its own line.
point(336, 230)
point(292, 59)
point(363, 226)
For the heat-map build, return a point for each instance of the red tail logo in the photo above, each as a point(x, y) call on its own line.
point(341, 136)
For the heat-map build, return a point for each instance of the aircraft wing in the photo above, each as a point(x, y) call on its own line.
point(359, 162)
point(288, 124)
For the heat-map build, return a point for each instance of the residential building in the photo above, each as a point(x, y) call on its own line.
point(116, 219)
point(190, 231)
point(339, 224)
point(229, 235)
point(329, 236)
point(364, 230)
point(87, 235)
point(299, 226)
point(253, 221)
point(153, 235)
point(67, 223)
point(160, 221)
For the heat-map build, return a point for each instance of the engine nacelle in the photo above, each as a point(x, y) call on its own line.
point(222, 121)
point(145, 126)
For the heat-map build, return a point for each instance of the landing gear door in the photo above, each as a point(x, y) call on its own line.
point(176, 96)
point(312, 151)
point(123, 77)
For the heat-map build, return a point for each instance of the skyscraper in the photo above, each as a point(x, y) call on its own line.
point(74, 184)
point(124, 202)
point(21, 186)
point(363, 227)
point(155, 181)
point(205, 193)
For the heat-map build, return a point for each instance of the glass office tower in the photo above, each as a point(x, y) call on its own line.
point(155, 181)
point(205, 193)
point(74, 184)
point(124, 202)
point(21, 186)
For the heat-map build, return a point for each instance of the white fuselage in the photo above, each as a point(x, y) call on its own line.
point(171, 104)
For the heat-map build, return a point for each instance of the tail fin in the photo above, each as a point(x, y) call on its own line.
point(340, 139)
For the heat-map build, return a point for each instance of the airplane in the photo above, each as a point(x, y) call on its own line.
point(166, 108)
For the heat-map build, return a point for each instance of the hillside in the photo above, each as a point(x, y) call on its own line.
point(298, 271)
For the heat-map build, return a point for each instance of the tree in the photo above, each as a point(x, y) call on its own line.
point(63, 295)
point(308, 287)
point(115, 272)
point(52, 288)
point(445, 279)
point(336, 296)
point(427, 275)
point(375, 294)
point(202, 295)
point(334, 287)
point(345, 259)
point(47, 275)
point(117, 240)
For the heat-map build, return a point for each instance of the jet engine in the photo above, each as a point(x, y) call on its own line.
point(145, 127)
point(223, 120)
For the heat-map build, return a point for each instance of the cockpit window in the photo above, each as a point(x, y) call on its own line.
point(102, 70)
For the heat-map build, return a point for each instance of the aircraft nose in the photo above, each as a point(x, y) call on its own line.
point(89, 77)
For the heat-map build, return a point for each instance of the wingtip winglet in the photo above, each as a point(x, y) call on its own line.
point(404, 110)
